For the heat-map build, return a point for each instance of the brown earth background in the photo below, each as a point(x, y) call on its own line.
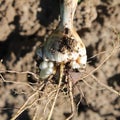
point(25, 24)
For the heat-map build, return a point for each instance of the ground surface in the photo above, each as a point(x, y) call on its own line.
point(24, 24)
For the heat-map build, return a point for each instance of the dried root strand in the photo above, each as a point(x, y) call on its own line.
point(30, 101)
point(56, 96)
point(71, 99)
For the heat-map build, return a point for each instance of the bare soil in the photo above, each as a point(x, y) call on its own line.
point(25, 24)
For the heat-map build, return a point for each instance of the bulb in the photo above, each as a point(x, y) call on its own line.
point(49, 71)
point(50, 64)
point(44, 73)
point(83, 60)
point(43, 65)
point(64, 44)
point(75, 65)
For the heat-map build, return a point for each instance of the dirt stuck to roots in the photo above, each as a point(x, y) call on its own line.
point(24, 25)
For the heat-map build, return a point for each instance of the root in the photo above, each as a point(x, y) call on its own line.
point(29, 103)
point(115, 47)
point(91, 86)
point(36, 95)
point(71, 99)
point(14, 82)
point(55, 99)
point(17, 72)
point(105, 86)
point(37, 114)
point(31, 100)
point(50, 99)
point(82, 96)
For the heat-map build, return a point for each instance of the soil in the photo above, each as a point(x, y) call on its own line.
point(25, 24)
